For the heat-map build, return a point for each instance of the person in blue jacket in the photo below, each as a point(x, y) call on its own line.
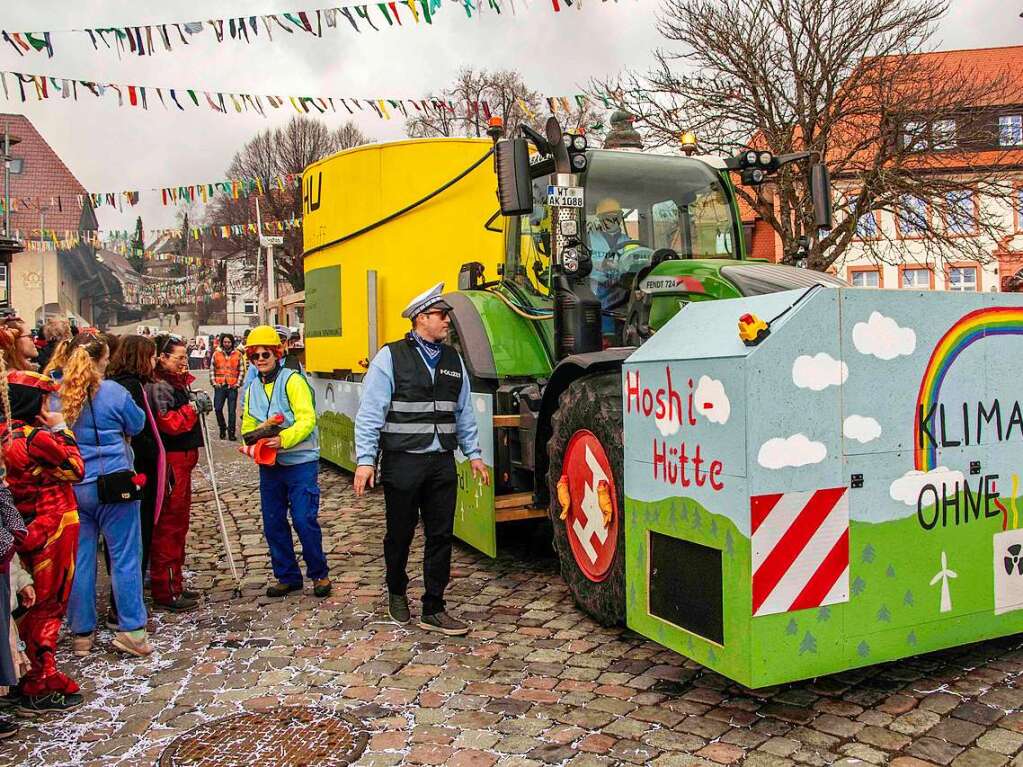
point(416, 409)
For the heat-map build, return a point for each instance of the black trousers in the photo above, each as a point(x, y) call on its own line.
point(420, 484)
point(228, 394)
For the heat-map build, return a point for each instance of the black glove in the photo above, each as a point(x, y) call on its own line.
point(201, 402)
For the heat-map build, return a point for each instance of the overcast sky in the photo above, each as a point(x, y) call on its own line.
point(112, 149)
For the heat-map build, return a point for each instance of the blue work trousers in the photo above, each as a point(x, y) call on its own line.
point(119, 525)
point(294, 488)
point(228, 395)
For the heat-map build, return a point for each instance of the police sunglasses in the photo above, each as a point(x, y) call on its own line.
point(442, 312)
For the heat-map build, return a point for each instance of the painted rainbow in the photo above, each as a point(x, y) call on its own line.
point(995, 321)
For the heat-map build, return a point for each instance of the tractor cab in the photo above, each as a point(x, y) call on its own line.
point(633, 211)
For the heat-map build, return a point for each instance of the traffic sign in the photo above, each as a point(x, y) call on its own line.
point(267, 241)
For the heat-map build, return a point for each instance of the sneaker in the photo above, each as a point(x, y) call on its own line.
point(397, 608)
point(321, 588)
point(54, 701)
point(133, 642)
point(278, 590)
point(81, 645)
point(180, 604)
point(444, 624)
point(8, 728)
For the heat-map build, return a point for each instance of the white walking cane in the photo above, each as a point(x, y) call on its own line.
point(220, 510)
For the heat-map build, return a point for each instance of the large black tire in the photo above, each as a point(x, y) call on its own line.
point(593, 402)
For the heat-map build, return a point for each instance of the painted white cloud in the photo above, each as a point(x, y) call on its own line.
point(861, 428)
point(797, 450)
point(711, 401)
point(668, 426)
point(882, 337)
point(819, 371)
point(907, 487)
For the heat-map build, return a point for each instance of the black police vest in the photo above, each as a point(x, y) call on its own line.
point(422, 408)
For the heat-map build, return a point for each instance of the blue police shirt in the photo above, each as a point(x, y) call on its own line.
point(377, 389)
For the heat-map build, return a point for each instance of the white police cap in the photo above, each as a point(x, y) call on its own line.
point(427, 300)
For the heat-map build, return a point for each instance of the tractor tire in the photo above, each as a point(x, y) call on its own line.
point(591, 404)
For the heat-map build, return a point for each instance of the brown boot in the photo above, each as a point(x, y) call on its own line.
point(321, 588)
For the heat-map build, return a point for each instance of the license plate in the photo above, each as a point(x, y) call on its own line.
point(565, 196)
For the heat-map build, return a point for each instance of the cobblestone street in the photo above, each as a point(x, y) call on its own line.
point(534, 683)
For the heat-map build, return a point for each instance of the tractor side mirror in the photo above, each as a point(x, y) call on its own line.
point(514, 185)
point(820, 193)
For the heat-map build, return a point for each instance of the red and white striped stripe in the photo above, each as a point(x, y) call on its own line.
point(800, 548)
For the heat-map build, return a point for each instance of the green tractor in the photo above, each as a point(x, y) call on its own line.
point(602, 248)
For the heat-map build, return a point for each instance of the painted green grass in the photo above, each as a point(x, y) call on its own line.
point(892, 612)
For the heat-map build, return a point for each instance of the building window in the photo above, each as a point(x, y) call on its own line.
point(962, 278)
point(17, 166)
point(913, 135)
point(962, 211)
point(865, 277)
point(3, 283)
point(943, 134)
point(1010, 130)
point(249, 307)
point(916, 278)
point(866, 225)
point(912, 216)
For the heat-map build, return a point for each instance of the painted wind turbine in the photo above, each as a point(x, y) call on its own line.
point(943, 575)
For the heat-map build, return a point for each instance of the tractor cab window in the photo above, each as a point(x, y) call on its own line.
point(637, 204)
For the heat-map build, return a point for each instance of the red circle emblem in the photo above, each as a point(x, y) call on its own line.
point(592, 488)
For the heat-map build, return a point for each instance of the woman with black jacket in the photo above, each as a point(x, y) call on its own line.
point(132, 367)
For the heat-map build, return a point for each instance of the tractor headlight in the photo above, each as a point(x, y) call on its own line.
point(579, 162)
point(751, 158)
point(579, 143)
point(570, 260)
point(766, 158)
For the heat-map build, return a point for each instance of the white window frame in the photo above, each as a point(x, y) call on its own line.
point(859, 278)
point(907, 222)
point(1010, 130)
point(963, 286)
point(914, 135)
point(249, 307)
point(955, 201)
point(916, 271)
point(866, 225)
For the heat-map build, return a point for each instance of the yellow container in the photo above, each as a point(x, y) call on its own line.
point(359, 187)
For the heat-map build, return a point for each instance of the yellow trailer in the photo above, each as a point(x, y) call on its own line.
point(364, 263)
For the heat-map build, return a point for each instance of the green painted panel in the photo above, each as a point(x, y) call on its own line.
point(323, 302)
point(475, 515)
point(516, 341)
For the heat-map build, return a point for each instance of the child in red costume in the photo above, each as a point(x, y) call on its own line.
point(43, 463)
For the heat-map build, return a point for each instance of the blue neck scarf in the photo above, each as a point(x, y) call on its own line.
point(430, 350)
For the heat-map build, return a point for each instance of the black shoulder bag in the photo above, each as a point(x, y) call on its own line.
point(117, 486)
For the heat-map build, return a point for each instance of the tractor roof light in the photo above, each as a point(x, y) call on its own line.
point(689, 143)
point(495, 127)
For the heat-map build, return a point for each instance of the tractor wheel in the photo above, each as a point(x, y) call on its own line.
point(586, 457)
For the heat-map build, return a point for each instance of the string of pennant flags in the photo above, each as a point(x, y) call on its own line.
point(150, 39)
point(204, 192)
point(19, 86)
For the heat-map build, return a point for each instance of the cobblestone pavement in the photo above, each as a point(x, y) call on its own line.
point(534, 683)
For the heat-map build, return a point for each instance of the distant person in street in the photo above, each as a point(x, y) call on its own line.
point(104, 418)
point(416, 410)
point(291, 483)
point(178, 423)
point(133, 368)
point(43, 463)
point(55, 331)
point(226, 377)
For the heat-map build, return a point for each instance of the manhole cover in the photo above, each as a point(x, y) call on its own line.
point(289, 736)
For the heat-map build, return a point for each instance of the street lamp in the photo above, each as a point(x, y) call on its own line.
point(8, 245)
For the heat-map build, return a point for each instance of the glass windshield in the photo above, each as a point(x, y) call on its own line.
point(637, 204)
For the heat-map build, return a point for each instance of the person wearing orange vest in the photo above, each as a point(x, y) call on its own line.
point(226, 377)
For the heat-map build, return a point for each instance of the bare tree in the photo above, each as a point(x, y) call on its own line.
point(277, 154)
point(465, 107)
point(902, 129)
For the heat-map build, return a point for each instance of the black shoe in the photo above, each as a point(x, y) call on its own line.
point(444, 624)
point(397, 608)
point(112, 621)
point(8, 728)
point(223, 433)
point(55, 701)
point(180, 604)
point(231, 436)
point(190, 594)
point(12, 698)
point(279, 589)
point(321, 588)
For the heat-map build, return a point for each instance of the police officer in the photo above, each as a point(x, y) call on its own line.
point(415, 409)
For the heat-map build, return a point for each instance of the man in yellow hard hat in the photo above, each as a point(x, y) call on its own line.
point(290, 484)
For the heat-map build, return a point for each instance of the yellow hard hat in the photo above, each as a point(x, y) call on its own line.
point(263, 335)
point(609, 205)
